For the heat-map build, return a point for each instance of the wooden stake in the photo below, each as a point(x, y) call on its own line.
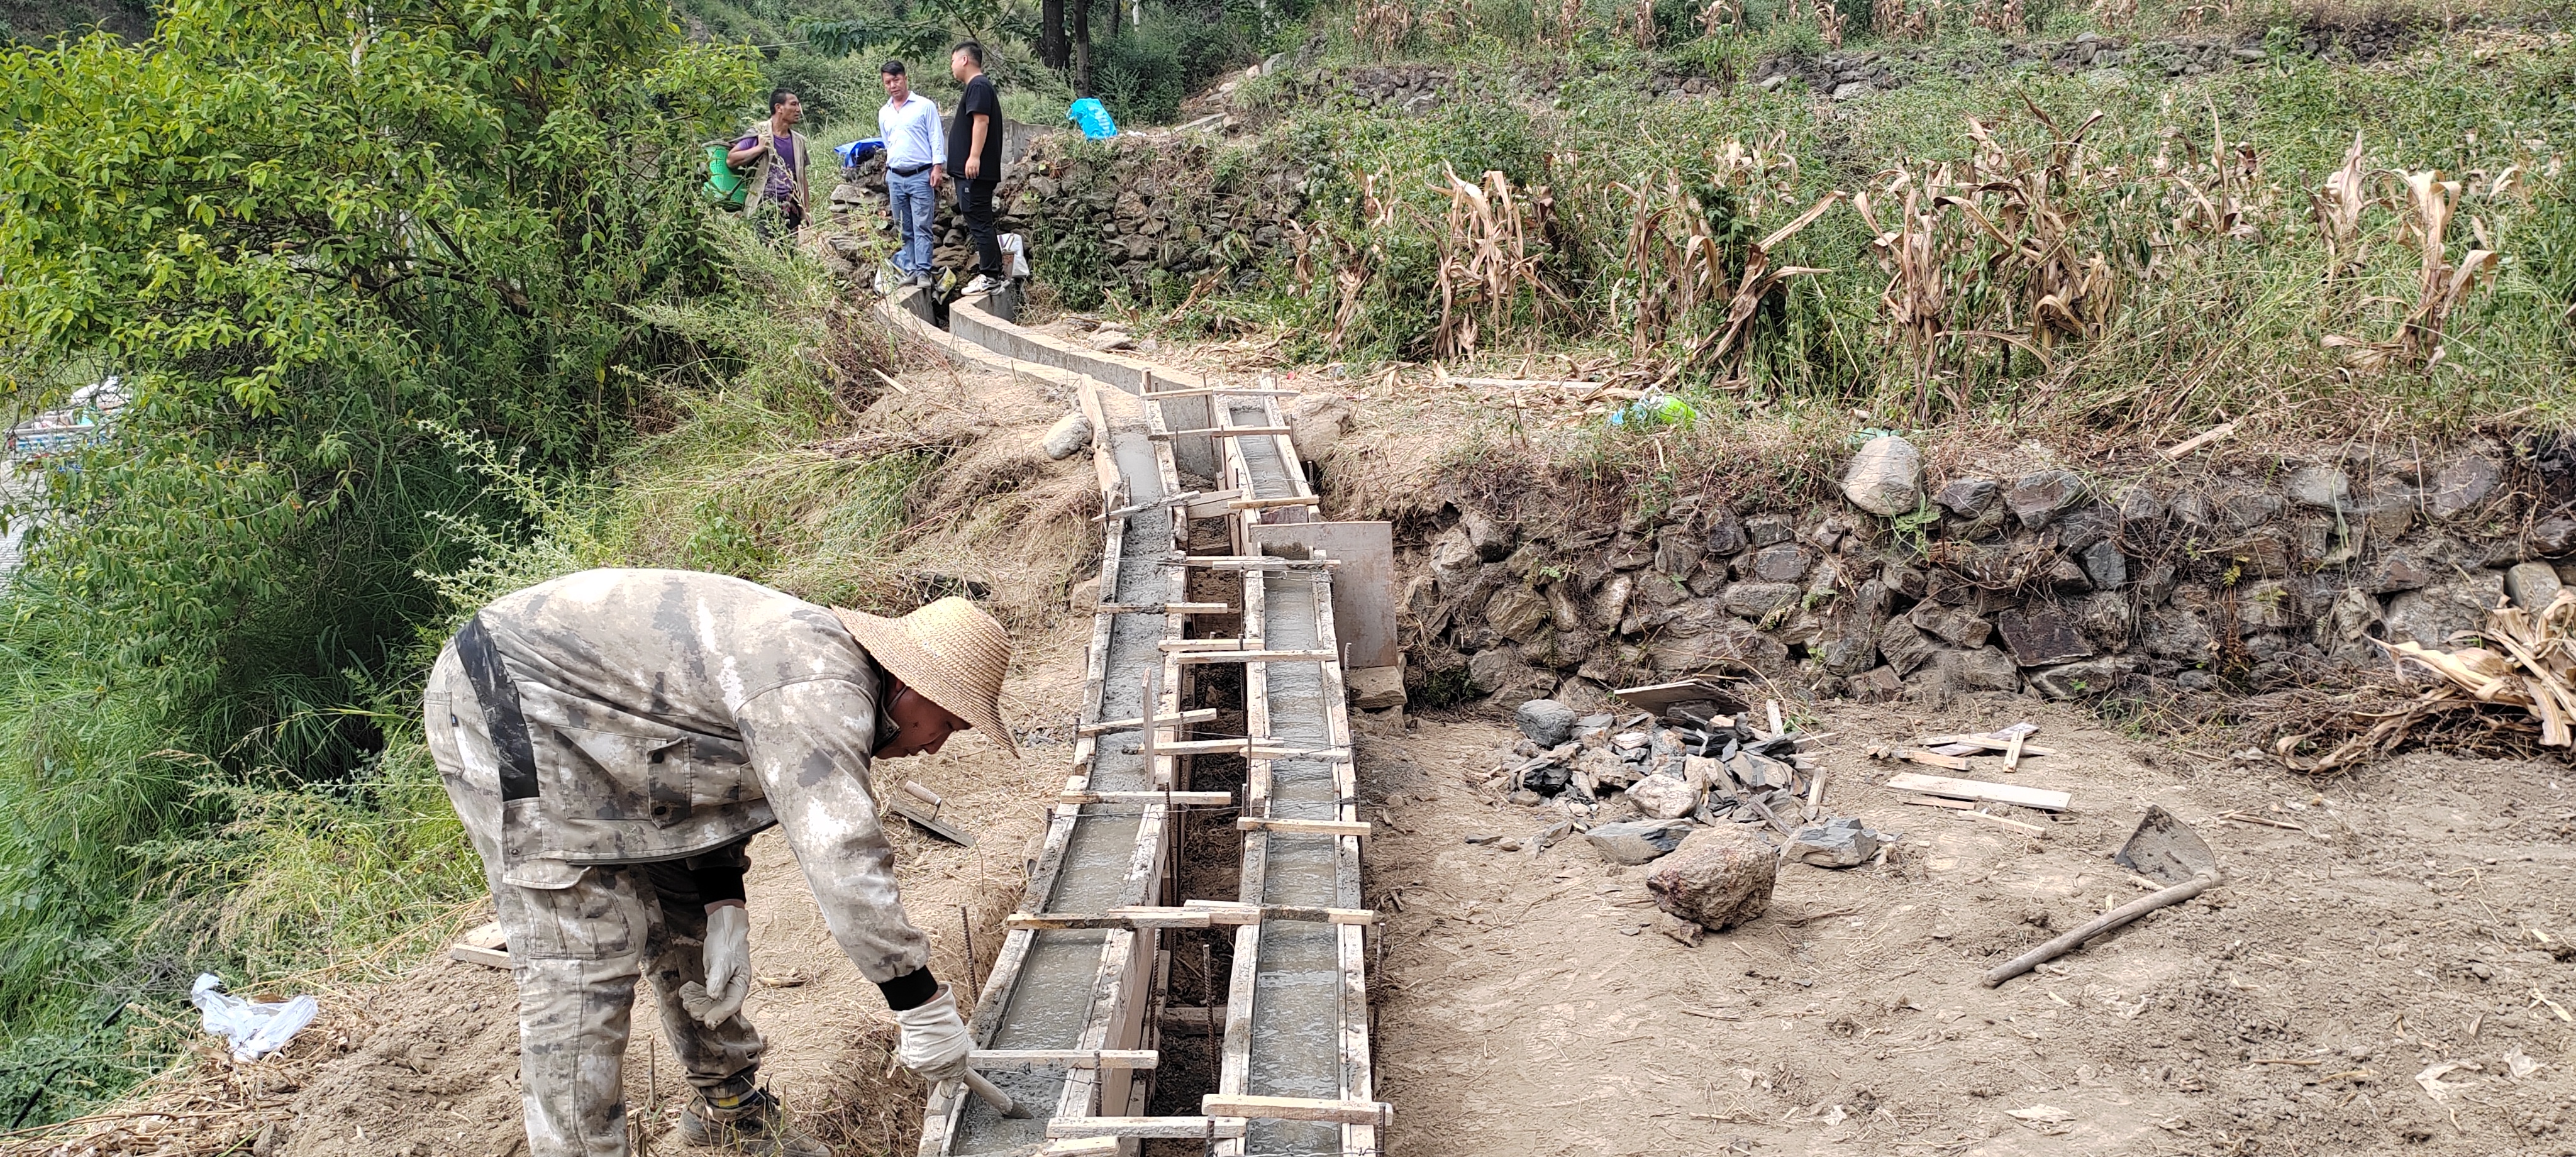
point(2012, 754)
point(1773, 706)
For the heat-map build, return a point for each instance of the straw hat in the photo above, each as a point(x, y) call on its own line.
point(951, 652)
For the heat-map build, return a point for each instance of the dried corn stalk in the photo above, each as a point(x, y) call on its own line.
point(1829, 22)
point(1719, 14)
point(2440, 286)
point(2339, 207)
point(2536, 670)
point(1641, 26)
point(1382, 25)
point(1485, 258)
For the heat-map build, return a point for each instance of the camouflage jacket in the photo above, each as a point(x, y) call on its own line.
point(645, 715)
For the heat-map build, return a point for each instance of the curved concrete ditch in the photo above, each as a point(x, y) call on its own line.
point(1076, 978)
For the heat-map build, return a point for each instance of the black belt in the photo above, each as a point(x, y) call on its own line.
point(914, 171)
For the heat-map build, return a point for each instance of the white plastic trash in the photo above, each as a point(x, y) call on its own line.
point(255, 1028)
point(1015, 254)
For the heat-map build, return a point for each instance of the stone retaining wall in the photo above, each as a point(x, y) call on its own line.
point(2047, 581)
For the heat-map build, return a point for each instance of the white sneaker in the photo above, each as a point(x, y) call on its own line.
point(981, 284)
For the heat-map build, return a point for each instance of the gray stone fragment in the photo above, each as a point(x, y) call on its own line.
point(1951, 625)
point(1850, 89)
point(1785, 563)
point(1722, 877)
point(1886, 477)
point(1970, 497)
point(2554, 535)
point(2139, 504)
point(2531, 585)
point(1664, 797)
point(1725, 532)
point(1517, 613)
point(1069, 436)
point(1683, 932)
point(1502, 671)
point(2247, 509)
point(1756, 599)
point(2462, 485)
point(2104, 565)
point(2039, 636)
point(2036, 498)
point(2396, 572)
point(2269, 605)
point(2080, 680)
point(1546, 721)
point(1840, 843)
point(2433, 614)
point(1877, 685)
point(1768, 529)
point(2319, 487)
point(1985, 669)
point(1639, 841)
point(1904, 646)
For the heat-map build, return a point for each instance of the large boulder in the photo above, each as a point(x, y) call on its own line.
point(1069, 436)
point(1886, 477)
point(1720, 877)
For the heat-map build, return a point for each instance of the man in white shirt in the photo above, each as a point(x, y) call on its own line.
point(916, 163)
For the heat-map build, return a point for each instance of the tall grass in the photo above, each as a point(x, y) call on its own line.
point(2134, 261)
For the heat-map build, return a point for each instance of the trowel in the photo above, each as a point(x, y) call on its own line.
point(923, 810)
point(2162, 848)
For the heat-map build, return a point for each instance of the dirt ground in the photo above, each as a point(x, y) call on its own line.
point(2394, 927)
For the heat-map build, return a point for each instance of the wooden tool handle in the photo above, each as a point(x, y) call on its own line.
point(993, 1095)
point(2097, 926)
point(921, 793)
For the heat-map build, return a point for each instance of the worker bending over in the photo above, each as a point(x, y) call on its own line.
point(613, 739)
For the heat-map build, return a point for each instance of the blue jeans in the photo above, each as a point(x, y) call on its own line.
point(914, 211)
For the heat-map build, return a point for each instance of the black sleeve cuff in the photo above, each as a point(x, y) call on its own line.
point(909, 991)
point(718, 881)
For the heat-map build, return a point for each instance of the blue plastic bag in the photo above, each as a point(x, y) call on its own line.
point(1093, 117)
point(857, 151)
point(1655, 409)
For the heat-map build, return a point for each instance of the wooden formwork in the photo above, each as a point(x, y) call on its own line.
point(1101, 1100)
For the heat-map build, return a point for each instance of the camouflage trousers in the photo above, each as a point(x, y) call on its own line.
point(576, 953)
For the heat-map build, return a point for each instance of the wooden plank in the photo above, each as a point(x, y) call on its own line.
point(1197, 914)
point(1181, 1128)
point(1174, 798)
point(2014, 794)
point(1224, 391)
point(1297, 1109)
point(1031, 1060)
point(1101, 1146)
point(484, 945)
point(1201, 715)
point(1224, 432)
point(1179, 646)
point(1164, 609)
point(1933, 759)
point(1363, 586)
point(1257, 656)
point(1988, 742)
point(1937, 801)
point(1306, 827)
point(1274, 503)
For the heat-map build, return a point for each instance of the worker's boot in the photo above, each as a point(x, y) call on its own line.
point(752, 1123)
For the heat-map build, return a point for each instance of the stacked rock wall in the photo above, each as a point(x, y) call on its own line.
point(1148, 210)
point(2045, 581)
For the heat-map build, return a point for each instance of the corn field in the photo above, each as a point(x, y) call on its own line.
point(2026, 266)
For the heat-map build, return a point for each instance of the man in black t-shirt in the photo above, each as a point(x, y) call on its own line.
point(975, 159)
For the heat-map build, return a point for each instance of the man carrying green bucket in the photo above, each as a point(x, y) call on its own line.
point(777, 154)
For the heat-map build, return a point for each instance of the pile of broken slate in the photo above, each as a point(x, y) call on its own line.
point(1719, 802)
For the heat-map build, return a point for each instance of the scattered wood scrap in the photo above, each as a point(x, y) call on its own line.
point(2009, 793)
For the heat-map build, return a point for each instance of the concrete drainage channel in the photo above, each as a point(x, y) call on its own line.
point(1068, 1025)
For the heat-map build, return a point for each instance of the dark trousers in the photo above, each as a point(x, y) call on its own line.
point(975, 200)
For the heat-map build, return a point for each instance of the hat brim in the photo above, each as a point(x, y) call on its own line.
point(894, 649)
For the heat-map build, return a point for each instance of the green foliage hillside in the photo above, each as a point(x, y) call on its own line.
point(325, 249)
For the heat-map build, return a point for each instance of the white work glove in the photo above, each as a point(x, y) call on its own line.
point(728, 960)
point(934, 1043)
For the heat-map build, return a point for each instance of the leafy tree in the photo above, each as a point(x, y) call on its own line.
point(309, 237)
